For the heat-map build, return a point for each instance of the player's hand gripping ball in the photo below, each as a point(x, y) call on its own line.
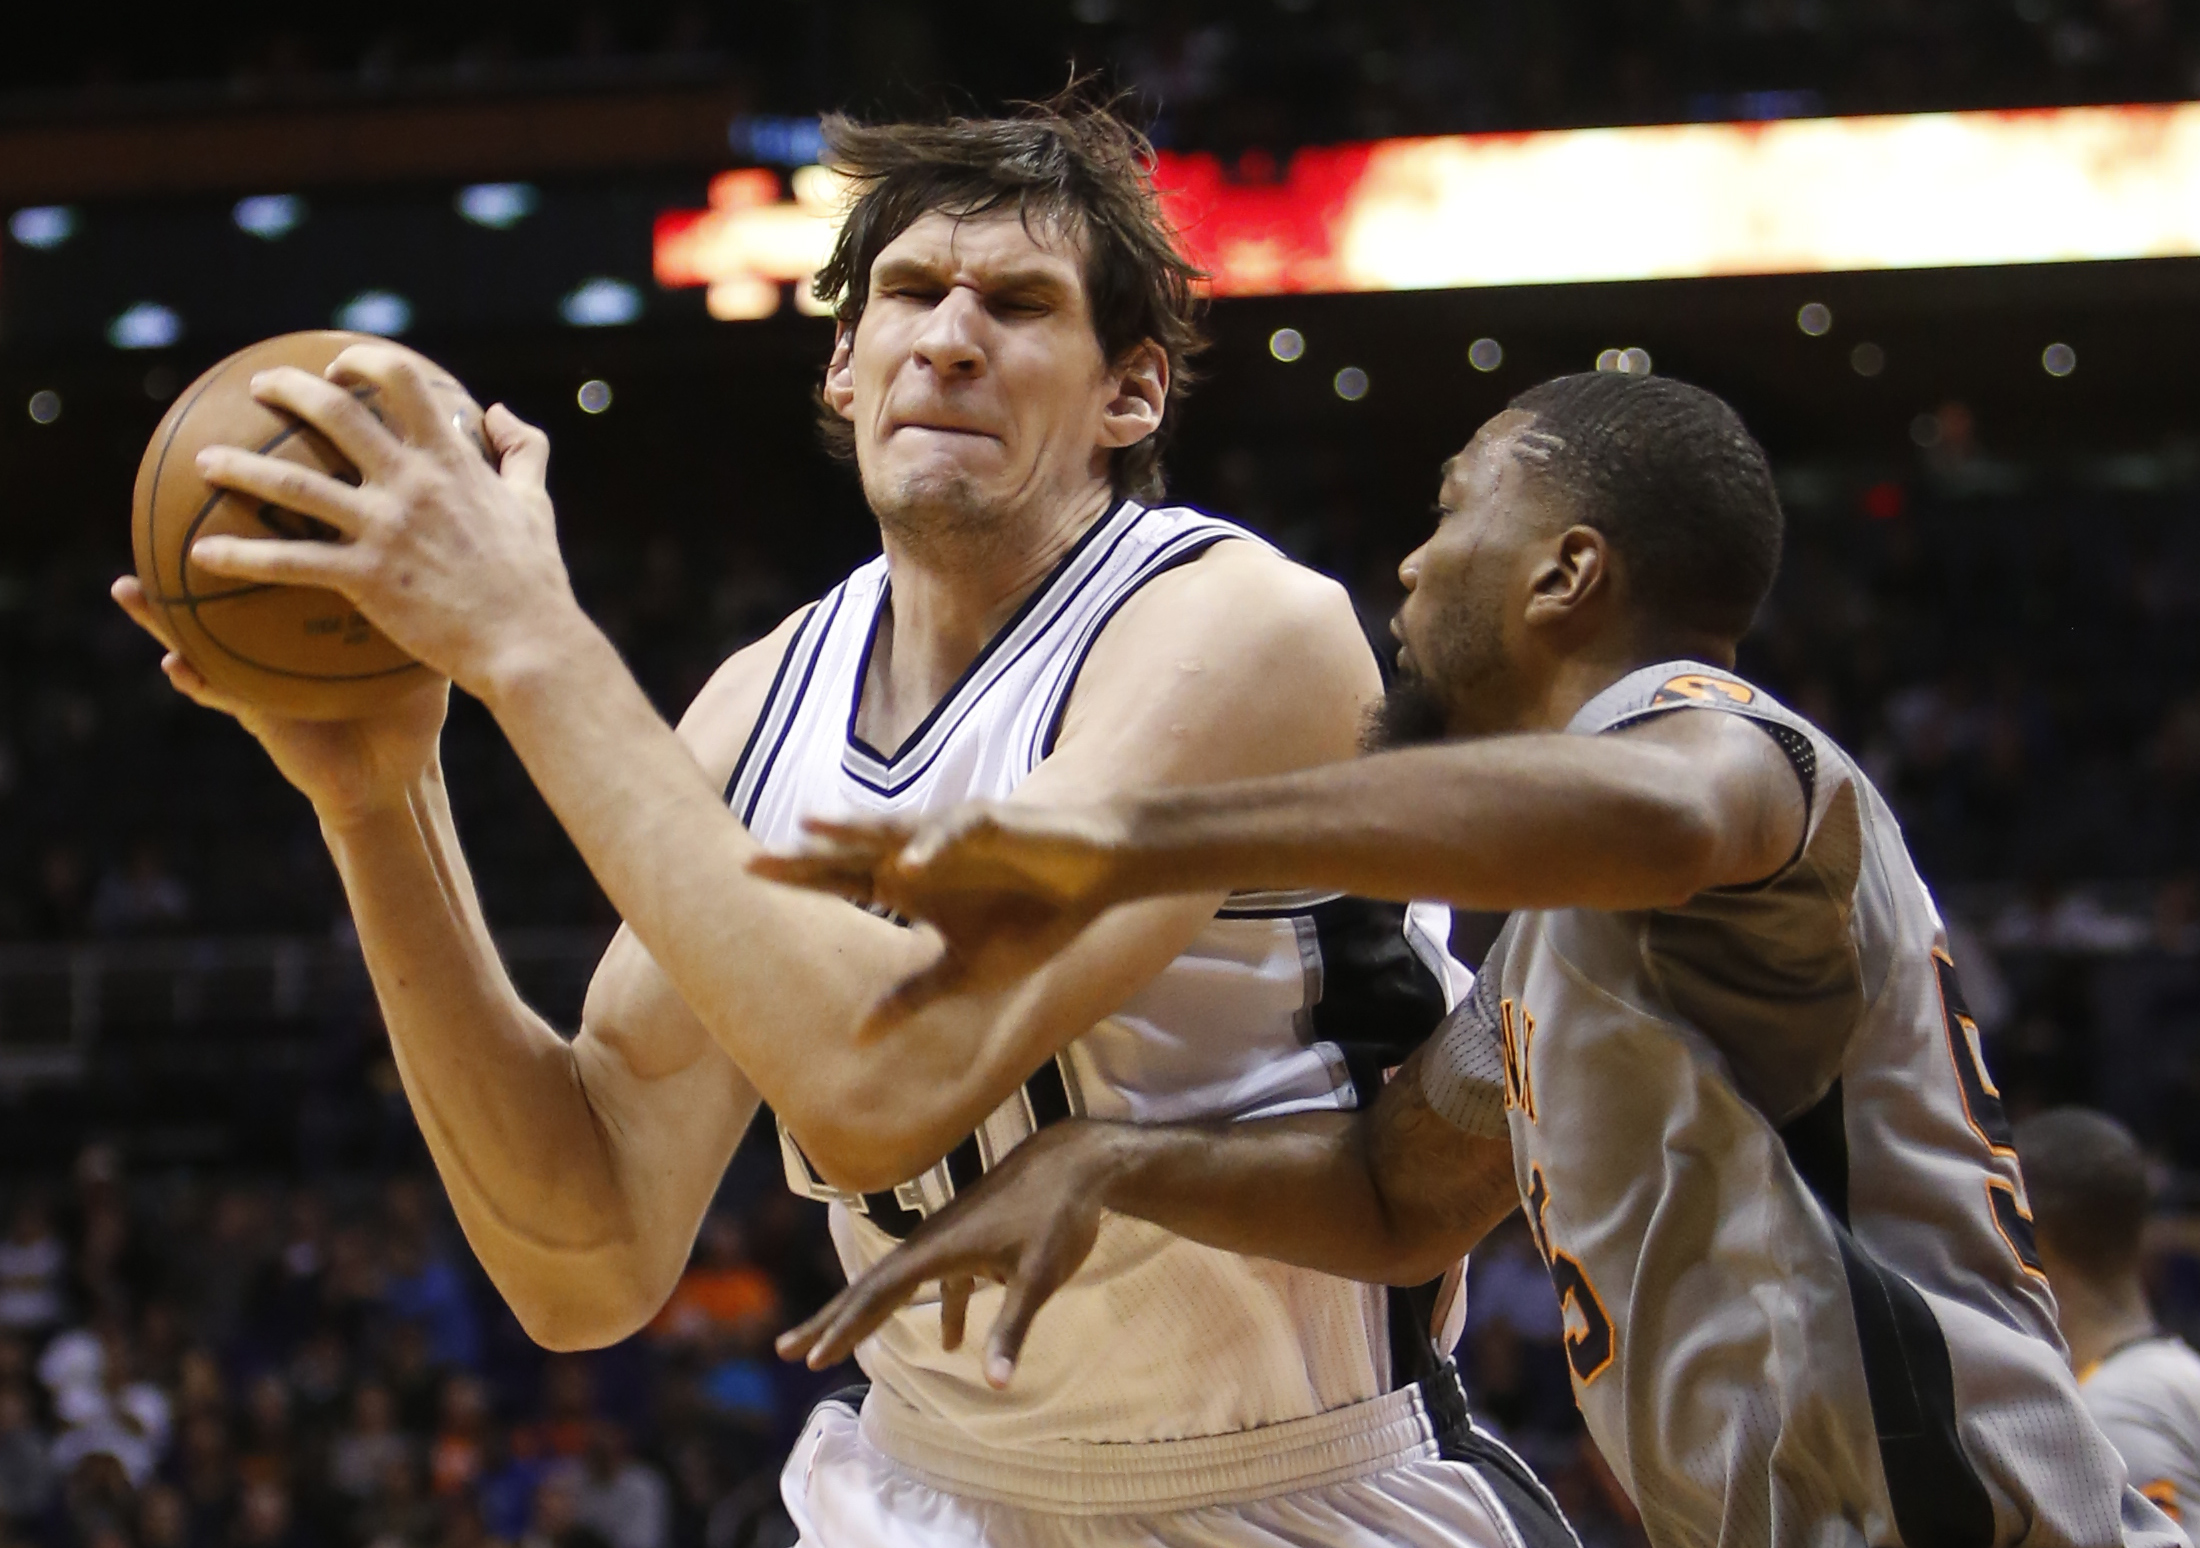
point(297, 650)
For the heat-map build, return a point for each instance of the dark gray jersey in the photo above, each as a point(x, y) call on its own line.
point(1762, 1156)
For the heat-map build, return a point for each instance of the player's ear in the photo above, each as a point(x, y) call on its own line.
point(1574, 571)
point(1141, 383)
point(840, 376)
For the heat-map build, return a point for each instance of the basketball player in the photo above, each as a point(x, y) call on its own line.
point(1718, 1051)
point(2087, 1183)
point(1013, 325)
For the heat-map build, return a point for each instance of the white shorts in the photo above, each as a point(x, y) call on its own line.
point(844, 1492)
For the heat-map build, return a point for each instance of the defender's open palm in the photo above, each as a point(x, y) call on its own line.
point(1006, 885)
point(1030, 1223)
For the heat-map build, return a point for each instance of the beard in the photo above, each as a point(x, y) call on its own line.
point(1411, 713)
point(939, 517)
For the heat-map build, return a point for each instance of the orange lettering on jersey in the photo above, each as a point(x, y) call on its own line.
point(1512, 1053)
point(2163, 1492)
point(1517, 1031)
point(1699, 689)
point(1591, 1342)
point(1527, 1064)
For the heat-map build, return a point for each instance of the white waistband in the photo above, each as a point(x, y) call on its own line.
point(1086, 1478)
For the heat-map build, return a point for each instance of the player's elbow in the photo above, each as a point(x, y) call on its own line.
point(868, 1147)
point(571, 1310)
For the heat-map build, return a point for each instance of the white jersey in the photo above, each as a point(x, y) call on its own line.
point(1282, 1004)
point(2146, 1396)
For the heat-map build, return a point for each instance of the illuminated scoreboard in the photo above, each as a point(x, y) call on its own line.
point(1797, 196)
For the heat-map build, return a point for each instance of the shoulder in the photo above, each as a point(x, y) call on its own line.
point(1257, 662)
point(717, 723)
point(1240, 599)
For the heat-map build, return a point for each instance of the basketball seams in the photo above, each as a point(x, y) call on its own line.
point(314, 624)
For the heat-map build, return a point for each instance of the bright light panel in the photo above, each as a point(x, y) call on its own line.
point(1800, 196)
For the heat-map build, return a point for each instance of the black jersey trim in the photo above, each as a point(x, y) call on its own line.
point(772, 702)
point(1533, 1511)
point(951, 700)
point(771, 698)
point(1935, 1492)
point(1196, 545)
point(1378, 1000)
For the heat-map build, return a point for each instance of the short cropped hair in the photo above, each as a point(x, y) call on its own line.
point(1070, 160)
point(1677, 485)
point(2087, 1183)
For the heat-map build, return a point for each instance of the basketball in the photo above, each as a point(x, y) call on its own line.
point(301, 651)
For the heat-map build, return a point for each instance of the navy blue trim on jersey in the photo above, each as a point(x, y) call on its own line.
point(953, 699)
point(1194, 545)
point(772, 702)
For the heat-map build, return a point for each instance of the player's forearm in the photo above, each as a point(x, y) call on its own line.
point(1298, 1190)
point(498, 1094)
point(1506, 822)
point(782, 978)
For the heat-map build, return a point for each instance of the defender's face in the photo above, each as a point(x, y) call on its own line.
point(1456, 628)
point(974, 379)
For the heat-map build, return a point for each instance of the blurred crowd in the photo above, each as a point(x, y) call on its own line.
point(186, 1364)
point(1226, 75)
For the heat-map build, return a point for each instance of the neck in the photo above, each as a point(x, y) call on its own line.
point(2099, 1317)
point(1577, 678)
point(947, 605)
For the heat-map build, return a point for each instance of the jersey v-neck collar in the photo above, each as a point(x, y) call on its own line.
point(892, 770)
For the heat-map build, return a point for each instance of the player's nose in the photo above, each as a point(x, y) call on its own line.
point(948, 341)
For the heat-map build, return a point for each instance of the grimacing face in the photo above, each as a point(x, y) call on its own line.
point(974, 380)
point(1454, 628)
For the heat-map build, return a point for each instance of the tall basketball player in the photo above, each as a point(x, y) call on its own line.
point(1013, 325)
point(1718, 1052)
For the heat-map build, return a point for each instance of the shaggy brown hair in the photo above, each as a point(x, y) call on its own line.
point(1070, 161)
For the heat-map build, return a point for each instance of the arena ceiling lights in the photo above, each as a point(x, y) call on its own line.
point(1796, 196)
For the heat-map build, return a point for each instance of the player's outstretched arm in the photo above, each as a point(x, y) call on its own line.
point(1643, 818)
point(579, 1170)
point(1392, 1196)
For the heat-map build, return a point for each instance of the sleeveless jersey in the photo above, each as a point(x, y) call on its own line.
point(2146, 1396)
point(1283, 1004)
point(1759, 1150)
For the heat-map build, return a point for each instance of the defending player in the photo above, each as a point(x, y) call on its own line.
point(1014, 320)
point(2087, 1183)
point(1718, 1051)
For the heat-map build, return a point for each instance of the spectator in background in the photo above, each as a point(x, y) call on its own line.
point(34, 1269)
point(424, 1287)
point(163, 1518)
point(141, 898)
point(557, 1520)
point(460, 1449)
point(361, 1455)
point(721, 1293)
point(26, 1471)
point(625, 1500)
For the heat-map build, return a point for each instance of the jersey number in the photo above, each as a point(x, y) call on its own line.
point(1989, 1120)
point(1591, 1345)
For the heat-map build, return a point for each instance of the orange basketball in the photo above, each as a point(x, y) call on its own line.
point(297, 650)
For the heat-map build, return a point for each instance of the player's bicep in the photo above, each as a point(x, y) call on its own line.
point(1748, 787)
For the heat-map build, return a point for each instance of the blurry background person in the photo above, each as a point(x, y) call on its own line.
point(2087, 1182)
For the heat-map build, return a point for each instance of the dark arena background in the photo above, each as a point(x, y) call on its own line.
point(234, 1308)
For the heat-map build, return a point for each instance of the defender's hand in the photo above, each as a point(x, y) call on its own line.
point(1030, 1223)
point(456, 561)
point(1006, 885)
point(348, 769)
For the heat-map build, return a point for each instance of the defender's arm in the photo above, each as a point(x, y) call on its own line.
point(1392, 1196)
